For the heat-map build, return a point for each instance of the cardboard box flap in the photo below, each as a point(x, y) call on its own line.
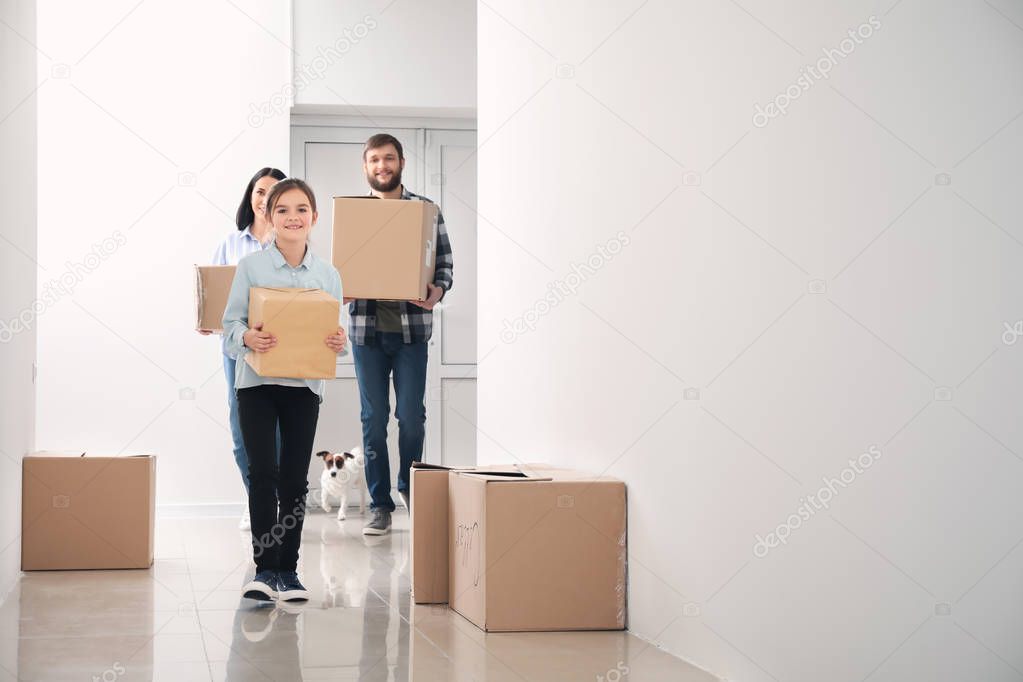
point(77, 453)
point(433, 467)
point(291, 290)
point(503, 476)
point(564, 473)
point(484, 468)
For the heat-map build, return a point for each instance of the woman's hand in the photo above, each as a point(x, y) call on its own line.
point(337, 342)
point(259, 340)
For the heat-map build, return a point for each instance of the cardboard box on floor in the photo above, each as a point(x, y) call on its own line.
point(428, 521)
point(540, 549)
point(301, 319)
point(212, 285)
point(87, 511)
point(385, 248)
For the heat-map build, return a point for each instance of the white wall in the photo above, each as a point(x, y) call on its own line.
point(18, 263)
point(702, 363)
point(146, 141)
point(386, 56)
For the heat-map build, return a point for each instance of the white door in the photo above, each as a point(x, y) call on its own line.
point(451, 400)
point(439, 165)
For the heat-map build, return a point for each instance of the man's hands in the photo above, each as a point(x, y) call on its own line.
point(259, 340)
point(336, 342)
point(434, 294)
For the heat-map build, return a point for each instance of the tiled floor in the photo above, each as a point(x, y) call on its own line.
point(184, 620)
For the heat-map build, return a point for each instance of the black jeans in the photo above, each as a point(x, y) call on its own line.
point(277, 492)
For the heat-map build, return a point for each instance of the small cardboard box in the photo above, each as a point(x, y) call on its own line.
point(81, 511)
point(540, 549)
point(301, 319)
point(385, 248)
point(428, 521)
point(212, 286)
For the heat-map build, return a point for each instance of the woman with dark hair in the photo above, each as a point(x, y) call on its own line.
point(254, 233)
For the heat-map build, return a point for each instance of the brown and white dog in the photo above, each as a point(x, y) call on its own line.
point(343, 472)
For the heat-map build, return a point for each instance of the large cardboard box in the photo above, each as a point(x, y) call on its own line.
point(301, 319)
point(385, 248)
point(212, 286)
point(539, 549)
point(82, 511)
point(428, 521)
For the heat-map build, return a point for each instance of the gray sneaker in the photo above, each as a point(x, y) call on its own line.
point(380, 524)
point(405, 500)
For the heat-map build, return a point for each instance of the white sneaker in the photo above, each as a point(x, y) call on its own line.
point(245, 523)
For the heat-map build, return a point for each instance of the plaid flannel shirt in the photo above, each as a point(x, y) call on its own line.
point(416, 322)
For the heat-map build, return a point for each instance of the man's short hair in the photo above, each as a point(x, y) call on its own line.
point(382, 140)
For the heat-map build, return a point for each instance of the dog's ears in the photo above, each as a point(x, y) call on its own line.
point(349, 455)
point(322, 453)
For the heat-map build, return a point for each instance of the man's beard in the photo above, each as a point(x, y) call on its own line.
point(390, 186)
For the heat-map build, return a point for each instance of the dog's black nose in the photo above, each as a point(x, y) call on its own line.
point(333, 474)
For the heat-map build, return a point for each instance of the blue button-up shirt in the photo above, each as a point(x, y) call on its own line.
point(236, 246)
point(269, 269)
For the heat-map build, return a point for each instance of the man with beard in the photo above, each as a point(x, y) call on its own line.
point(391, 337)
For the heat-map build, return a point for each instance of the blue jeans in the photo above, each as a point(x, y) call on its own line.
point(240, 456)
point(374, 363)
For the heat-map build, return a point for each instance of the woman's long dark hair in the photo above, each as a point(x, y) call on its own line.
point(245, 215)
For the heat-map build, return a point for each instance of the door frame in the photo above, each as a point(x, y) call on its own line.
point(351, 128)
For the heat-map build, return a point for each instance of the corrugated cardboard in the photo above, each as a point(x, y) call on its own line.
point(301, 319)
point(87, 511)
point(539, 551)
point(428, 521)
point(385, 248)
point(212, 286)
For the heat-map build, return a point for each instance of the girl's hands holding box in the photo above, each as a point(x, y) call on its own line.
point(337, 342)
point(259, 340)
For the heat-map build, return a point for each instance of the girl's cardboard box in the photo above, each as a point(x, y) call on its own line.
point(301, 319)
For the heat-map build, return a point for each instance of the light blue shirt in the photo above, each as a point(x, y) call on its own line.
point(268, 268)
point(236, 246)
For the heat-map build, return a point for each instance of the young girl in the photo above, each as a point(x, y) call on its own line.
point(277, 507)
point(253, 234)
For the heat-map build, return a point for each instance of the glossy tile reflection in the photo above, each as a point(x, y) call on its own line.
point(185, 620)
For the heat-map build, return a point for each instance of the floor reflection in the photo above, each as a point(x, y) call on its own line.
point(185, 620)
